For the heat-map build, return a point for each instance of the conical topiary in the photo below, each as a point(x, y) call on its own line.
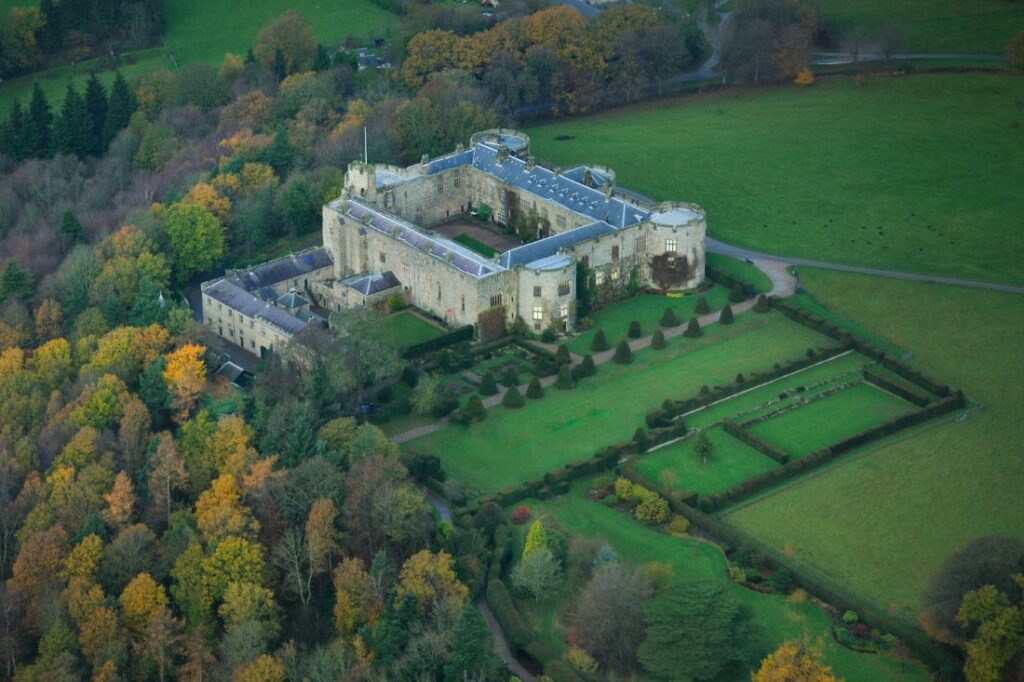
point(640, 438)
point(762, 304)
point(635, 332)
point(588, 367)
point(600, 343)
point(564, 380)
point(474, 410)
point(513, 398)
point(534, 390)
point(510, 377)
point(726, 316)
point(658, 340)
point(693, 329)
point(736, 294)
point(562, 357)
point(488, 386)
point(702, 306)
point(668, 318)
point(623, 353)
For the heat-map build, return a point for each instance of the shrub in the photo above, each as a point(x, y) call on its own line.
point(473, 411)
point(762, 304)
point(448, 404)
point(589, 369)
point(510, 377)
point(652, 509)
point(602, 485)
point(564, 380)
point(668, 318)
point(702, 306)
point(740, 378)
point(600, 342)
point(513, 398)
point(610, 500)
point(737, 574)
point(544, 367)
point(641, 440)
point(623, 354)
point(410, 375)
point(487, 384)
point(678, 525)
point(693, 329)
point(519, 515)
point(562, 357)
point(658, 340)
point(624, 489)
point(850, 617)
point(581, 659)
point(534, 390)
point(635, 332)
point(548, 335)
point(726, 317)
point(736, 294)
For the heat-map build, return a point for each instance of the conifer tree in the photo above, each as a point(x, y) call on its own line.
point(71, 129)
point(38, 126)
point(536, 538)
point(535, 390)
point(15, 281)
point(12, 133)
point(623, 353)
point(668, 318)
point(322, 61)
point(702, 306)
point(693, 329)
point(600, 342)
point(588, 368)
point(120, 108)
point(96, 111)
point(513, 398)
point(564, 380)
point(50, 37)
point(487, 384)
point(658, 340)
point(726, 317)
point(148, 307)
point(70, 229)
point(280, 66)
point(250, 56)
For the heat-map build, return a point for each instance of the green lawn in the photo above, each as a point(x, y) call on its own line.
point(405, 328)
point(512, 446)
point(975, 26)
point(883, 523)
point(807, 302)
point(831, 419)
point(202, 31)
point(733, 463)
point(835, 368)
point(932, 160)
point(779, 619)
point(743, 271)
point(646, 309)
point(475, 245)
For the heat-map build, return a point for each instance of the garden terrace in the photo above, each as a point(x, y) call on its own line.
point(514, 445)
point(406, 328)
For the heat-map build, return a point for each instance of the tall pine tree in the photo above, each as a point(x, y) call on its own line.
point(38, 126)
point(51, 36)
point(70, 229)
point(119, 109)
point(15, 281)
point(71, 129)
point(12, 133)
point(96, 111)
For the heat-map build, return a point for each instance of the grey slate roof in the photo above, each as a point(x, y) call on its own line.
point(373, 283)
point(542, 248)
point(237, 298)
point(450, 161)
point(291, 300)
point(455, 255)
point(281, 269)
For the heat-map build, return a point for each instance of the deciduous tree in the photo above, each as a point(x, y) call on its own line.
point(794, 662)
point(167, 475)
point(141, 599)
point(197, 239)
point(185, 374)
point(430, 578)
point(120, 502)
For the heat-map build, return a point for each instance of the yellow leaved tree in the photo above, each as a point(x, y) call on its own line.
point(185, 375)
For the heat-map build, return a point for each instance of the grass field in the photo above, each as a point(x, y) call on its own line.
point(646, 309)
point(691, 559)
point(475, 245)
point(406, 328)
point(975, 26)
point(202, 31)
point(733, 463)
point(917, 173)
point(831, 419)
point(512, 446)
point(931, 493)
point(737, 268)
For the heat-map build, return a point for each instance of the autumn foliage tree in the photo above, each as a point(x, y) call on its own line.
point(185, 375)
point(794, 662)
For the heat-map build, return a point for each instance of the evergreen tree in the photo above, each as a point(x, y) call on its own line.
point(148, 307)
point(562, 357)
point(120, 108)
point(658, 340)
point(300, 441)
point(726, 317)
point(736, 294)
point(70, 229)
point(534, 390)
point(635, 332)
point(668, 318)
point(153, 389)
point(487, 384)
point(322, 61)
point(71, 130)
point(96, 111)
point(510, 377)
point(513, 398)
point(641, 440)
point(588, 368)
point(473, 656)
point(474, 410)
point(250, 56)
point(600, 342)
point(280, 66)
point(693, 329)
point(318, 389)
point(38, 126)
point(623, 353)
point(50, 37)
point(15, 281)
point(761, 306)
point(702, 306)
point(12, 133)
point(564, 380)
point(280, 153)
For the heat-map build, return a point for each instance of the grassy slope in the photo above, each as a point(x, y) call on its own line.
point(695, 560)
point(975, 26)
point(744, 271)
point(569, 425)
point(407, 328)
point(646, 309)
point(800, 171)
point(831, 419)
point(931, 493)
point(201, 30)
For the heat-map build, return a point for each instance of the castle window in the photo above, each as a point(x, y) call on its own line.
point(496, 300)
point(456, 181)
point(383, 257)
point(463, 302)
point(615, 274)
point(536, 292)
point(560, 221)
point(641, 244)
point(538, 313)
point(438, 292)
point(615, 252)
point(252, 344)
point(564, 287)
point(563, 311)
point(670, 245)
point(599, 277)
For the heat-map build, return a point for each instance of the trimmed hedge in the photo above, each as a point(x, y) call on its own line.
point(438, 342)
point(500, 601)
point(936, 656)
point(724, 279)
point(894, 388)
point(759, 444)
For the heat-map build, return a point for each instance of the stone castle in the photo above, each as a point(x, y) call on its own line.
point(386, 235)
